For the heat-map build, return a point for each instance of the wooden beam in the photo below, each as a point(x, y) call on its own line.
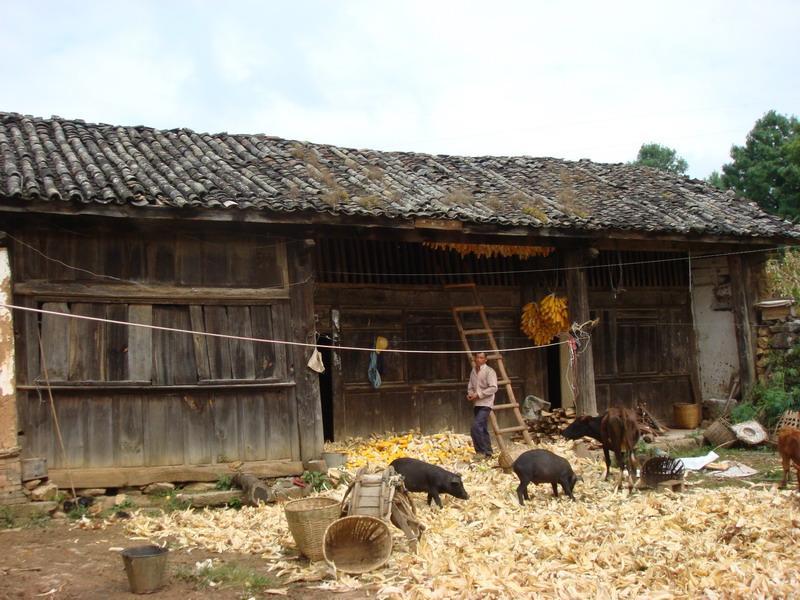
point(301, 327)
point(310, 223)
point(578, 304)
point(125, 293)
point(143, 388)
point(136, 476)
point(744, 292)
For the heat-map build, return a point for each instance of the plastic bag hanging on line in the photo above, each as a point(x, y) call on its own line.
point(315, 362)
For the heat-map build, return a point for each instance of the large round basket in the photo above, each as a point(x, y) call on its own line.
point(719, 433)
point(357, 544)
point(686, 416)
point(308, 518)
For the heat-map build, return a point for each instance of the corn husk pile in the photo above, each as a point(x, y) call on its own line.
point(379, 451)
point(711, 543)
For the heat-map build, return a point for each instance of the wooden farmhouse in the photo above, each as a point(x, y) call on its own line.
point(261, 238)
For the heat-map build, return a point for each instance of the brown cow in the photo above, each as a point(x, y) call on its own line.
point(619, 432)
point(789, 449)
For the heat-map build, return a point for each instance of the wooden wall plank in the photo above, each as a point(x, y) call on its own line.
point(163, 437)
point(72, 421)
point(29, 340)
point(87, 341)
point(263, 353)
point(290, 408)
point(117, 348)
point(128, 424)
point(198, 428)
point(219, 353)
point(99, 431)
point(252, 415)
point(242, 354)
point(190, 261)
point(173, 353)
point(37, 426)
point(225, 417)
point(140, 343)
point(200, 342)
point(280, 319)
point(55, 341)
point(309, 407)
point(280, 423)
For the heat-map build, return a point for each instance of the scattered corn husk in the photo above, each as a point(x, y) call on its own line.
point(725, 542)
point(439, 448)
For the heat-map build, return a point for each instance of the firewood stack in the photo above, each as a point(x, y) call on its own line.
point(550, 423)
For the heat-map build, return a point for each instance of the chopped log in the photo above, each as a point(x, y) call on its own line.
point(255, 491)
point(215, 498)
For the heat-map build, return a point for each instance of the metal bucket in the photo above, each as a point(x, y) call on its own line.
point(334, 459)
point(145, 566)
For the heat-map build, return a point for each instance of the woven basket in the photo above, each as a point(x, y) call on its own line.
point(357, 544)
point(791, 418)
point(308, 518)
point(719, 433)
point(686, 416)
point(662, 468)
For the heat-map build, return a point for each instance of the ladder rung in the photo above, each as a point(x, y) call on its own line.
point(477, 331)
point(512, 429)
point(468, 308)
point(504, 382)
point(494, 357)
point(451, 286)
point(505, 406)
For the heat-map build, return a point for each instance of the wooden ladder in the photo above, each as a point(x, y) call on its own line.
point(495, 355)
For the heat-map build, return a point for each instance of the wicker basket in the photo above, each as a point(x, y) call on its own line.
point(719, 433)
point(686, 416)
point(660, 469)
point(308, 518)
point(791, 418)
point(357, 544)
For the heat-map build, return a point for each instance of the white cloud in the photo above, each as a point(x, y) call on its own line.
point(577, 79)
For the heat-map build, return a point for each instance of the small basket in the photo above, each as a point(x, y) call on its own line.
point(357, 544)
point(719, 433)
point(686, 415)
point(660, 469)
point(790, 418)
point(308, 518)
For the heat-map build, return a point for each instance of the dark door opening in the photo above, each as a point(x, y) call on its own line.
point(326, 388)
point(554, 376)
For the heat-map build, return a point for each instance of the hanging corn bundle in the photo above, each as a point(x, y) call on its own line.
point(544, 320)
point(490, 250)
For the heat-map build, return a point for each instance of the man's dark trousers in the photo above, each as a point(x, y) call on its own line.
point(479, 431)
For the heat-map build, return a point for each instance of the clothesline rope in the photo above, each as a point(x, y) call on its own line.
point(263, 340)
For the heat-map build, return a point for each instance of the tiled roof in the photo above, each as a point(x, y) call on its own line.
point(65, 161)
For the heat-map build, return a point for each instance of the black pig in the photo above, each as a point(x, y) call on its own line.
point(542, 466)
point(423, 477)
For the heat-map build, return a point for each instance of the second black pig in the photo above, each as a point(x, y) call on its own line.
point(542, 466)
point(424, 477)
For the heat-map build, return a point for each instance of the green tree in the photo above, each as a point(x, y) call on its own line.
point(767, 168)
point(661, 157)
point(715, 179)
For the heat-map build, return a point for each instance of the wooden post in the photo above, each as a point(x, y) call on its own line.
point(743, 291)
point(578, 299)
point(309, 405)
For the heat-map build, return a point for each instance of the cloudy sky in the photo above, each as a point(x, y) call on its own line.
point(568, 79)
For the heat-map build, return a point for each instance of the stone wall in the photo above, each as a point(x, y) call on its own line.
point(775, 334)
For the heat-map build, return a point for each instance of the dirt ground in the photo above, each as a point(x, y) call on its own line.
point(42, 558)
point(57, 560)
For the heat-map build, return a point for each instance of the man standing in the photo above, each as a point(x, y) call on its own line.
point(480, 391)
